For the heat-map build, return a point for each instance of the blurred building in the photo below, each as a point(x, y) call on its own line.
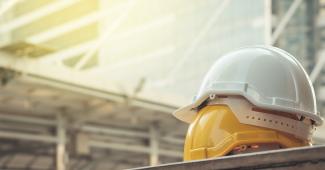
point(91, 84)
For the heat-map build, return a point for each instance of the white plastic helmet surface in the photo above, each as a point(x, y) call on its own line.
point(268, 77)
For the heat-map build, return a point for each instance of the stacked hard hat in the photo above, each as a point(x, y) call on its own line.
point(250, 97)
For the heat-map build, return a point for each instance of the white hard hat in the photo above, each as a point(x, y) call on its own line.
point(268, 77)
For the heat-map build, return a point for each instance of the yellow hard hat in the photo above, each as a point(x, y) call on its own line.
point(252, 99)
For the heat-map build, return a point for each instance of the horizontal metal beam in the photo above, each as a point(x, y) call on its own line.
point(101, 94)
point(133, 148)
point(31, 99)
point(129, 133)
point(171, 153)
point(119, 146)
point(86, 128)
point(20, 110)
point(59, 77)
point(89, 128)
point(173, 140)
point(30, 137)
point(297, 158)
point(111, 131)
point(25, 119)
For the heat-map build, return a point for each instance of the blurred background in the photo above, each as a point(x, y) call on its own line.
point(91, 84)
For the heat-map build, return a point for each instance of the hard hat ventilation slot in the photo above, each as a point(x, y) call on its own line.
point(271, 121)
point(249, 114)
point(278, 113)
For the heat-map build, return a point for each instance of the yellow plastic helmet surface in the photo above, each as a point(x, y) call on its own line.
point(216, 132)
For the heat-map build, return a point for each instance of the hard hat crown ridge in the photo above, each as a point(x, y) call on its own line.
point(268, 77)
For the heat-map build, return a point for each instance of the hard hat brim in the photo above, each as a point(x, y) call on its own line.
point(188, 113)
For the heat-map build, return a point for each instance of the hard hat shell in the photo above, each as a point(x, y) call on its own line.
point(216, 131)
point(268, 77)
